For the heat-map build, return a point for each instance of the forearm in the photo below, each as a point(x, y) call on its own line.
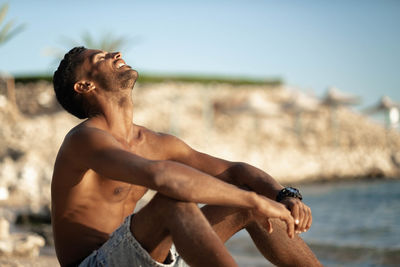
point(247, 176)
point(185, 183)
point(188, 184)
point(250, 177)
point(172, 179)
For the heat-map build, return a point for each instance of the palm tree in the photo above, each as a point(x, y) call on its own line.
point(8, 30)
point(107, 42)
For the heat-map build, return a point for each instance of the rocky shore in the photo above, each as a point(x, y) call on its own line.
point(291, 135)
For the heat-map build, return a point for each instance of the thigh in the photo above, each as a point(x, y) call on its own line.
point(122, 249)
point(150, 227)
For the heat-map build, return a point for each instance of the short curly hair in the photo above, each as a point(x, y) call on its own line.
point(63, 82)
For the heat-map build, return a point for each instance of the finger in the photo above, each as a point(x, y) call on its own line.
point(301, 219)
point(269, 227)
point(307, 216)
point(295, 214)
point(304, 218)
point(309, 220)
point(290, 225)
point(262, 221)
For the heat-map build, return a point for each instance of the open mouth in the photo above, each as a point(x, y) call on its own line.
point(120, 64)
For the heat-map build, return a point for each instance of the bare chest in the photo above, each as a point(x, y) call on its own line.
point(148, 145)
point(117, 192)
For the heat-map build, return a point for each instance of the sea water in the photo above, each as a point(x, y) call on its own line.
point(355, 223)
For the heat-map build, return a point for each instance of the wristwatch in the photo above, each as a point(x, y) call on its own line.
point(288, 192)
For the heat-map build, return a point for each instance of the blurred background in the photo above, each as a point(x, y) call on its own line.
point(308, 91)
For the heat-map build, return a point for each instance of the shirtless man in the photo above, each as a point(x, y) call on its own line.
point(106, 164)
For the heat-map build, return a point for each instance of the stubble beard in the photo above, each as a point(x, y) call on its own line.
point(119, 81)
point(128, 79)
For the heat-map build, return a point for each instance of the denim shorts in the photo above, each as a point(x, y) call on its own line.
point(122, 249)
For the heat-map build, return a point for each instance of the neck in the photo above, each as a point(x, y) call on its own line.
point(116, 112)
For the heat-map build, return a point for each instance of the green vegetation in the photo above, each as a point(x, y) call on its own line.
point(147, 78)
point(33, 78)
point(208, 79)
point(8, 30)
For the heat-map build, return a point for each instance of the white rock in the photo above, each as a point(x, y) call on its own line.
point(4, 229)
point(45, 98)
point(28, 245)
point(6, 248)
point(4, 193)
point(3, 101)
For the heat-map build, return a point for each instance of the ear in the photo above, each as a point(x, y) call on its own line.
point(82, 87)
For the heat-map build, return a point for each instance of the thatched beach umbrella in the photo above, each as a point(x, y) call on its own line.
point(389, 108)
point(334, 99)
point(298, 104)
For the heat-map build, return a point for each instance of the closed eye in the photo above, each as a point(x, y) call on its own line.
point(98, 56)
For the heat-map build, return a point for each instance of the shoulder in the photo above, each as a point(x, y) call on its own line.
point(171, 146)
point(84, 137)
point(83, 133)
point(159, 138)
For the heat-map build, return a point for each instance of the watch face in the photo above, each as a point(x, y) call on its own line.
point(292, 190)
point(289, 192)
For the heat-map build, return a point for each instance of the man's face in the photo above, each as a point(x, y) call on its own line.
point(106, 70)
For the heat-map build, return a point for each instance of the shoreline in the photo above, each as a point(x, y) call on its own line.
point(47, 256)
point(343, 180)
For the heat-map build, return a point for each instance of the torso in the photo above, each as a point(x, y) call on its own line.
point(86, 207)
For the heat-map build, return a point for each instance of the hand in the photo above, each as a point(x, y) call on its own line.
point(267, 209)
point(300, 212)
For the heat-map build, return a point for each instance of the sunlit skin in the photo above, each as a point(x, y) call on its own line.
point(107, 163)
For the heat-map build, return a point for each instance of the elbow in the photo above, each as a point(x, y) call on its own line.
point(159, 175)
point(166, 178)
point(238, 172)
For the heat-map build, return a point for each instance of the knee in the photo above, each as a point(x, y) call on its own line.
point(247, 216)
point(179, 208)
point(173, 207)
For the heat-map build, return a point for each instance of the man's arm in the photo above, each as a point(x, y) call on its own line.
point(95, 149)
point(241, 174)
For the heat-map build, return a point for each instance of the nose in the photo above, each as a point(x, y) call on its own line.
point(117, 55)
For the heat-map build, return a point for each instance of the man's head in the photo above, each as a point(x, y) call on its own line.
point(84, 73)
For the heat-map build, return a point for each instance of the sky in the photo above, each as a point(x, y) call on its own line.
point(309, 44)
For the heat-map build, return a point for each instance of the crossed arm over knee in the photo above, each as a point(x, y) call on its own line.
point(188, 175)
point(242, 175)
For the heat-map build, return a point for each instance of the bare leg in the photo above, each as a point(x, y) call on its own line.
point(277, 247)
point(165, 220)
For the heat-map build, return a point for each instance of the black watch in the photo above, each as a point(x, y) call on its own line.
point(288, 192)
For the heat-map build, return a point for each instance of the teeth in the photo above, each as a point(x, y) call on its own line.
point(121, 65)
